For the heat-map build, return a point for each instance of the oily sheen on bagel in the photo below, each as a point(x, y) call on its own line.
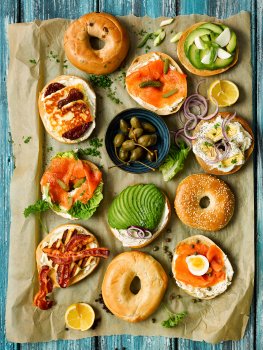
point(156, 82)
point(105, 27)
point(207, 49)
point(67, 107)
point(138, 215)
point(201, 268)
point(223, 144)
point(65, 256)
point(189, 207)
point(116, 292)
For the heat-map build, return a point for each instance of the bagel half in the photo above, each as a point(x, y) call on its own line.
point(209, 292)
point(188, 65)
point(142, 60)
point(214, 171)
point(75, 117)
point(55, 236)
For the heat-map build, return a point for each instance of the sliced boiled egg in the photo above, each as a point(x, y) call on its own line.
point(198, 265)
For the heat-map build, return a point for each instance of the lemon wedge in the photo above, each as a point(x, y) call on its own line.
point(80, 316)
point(225, 92)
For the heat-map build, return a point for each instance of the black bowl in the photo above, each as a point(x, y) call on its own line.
point(162, 145)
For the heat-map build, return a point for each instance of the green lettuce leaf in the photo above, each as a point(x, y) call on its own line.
point(174, 161)
point(85, 211)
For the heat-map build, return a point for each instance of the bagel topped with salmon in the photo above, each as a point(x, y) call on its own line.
point(201, 268)
point(72, 187)
point(67, 107)
point(156, 82)
point(65, 256)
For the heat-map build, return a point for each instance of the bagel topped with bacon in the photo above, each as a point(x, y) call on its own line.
point(157, 83)
point(65, 256)
point(67, 107)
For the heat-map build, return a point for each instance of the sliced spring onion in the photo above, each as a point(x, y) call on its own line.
point(157, 32)
point(176, 37)
point(166, 22)
point(144, 40)
point(159, 39)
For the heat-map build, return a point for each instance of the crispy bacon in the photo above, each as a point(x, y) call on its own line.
point(63, 275)
point(45, 287)
point(77, 242)
point(61, 258)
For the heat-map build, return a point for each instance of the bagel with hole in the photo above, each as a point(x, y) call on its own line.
point(65, 256)
point(207, 48)
point(67, 107)
point(107, 28)
point(138, 215)
point(156, 82)
point(204, 202)
point(116, 286)
point(201, 268)
point(223, 144)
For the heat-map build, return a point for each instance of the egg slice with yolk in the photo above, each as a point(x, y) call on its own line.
point(198, 265)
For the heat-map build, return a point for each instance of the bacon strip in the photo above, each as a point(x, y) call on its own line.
point(61, 258)
point(77, 241)
point(45, 287)
point(63, 275)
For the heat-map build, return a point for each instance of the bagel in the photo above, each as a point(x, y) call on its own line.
point(218, 276)
point(116, 292)
point(186, 62)
point(192, 190)
point(135, 194)
point(105, 27)
point(67, 107)
point(65, 256)
point(237, 146)
point(71, 186)
point(150, 66)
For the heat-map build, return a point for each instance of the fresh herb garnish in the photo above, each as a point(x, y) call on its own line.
point(33, 61)
point(234, 161)
point(27, 139)
point(227, 128)
point(96, 142)
point(53, 57)
point(49, 149)
point(105, 82)
point(93, 151)
point(38, 207)
point(174, 319)
point(208, 144)
point(216, 126)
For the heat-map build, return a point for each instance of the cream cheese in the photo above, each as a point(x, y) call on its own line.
point(212, 291)
point(239, 141)
point(128, 241)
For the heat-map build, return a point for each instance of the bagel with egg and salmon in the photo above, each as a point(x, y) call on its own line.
point(201, 268)
point(64, 257)
point(138, 215)
point(72, 187)
point(223, 144)
point(156, 82)
point(67, 107)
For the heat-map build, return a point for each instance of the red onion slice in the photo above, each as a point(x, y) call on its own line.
point(225, 122)
point(139, 231)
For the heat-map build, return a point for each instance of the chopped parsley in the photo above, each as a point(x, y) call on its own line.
point(174, 319)
point(105, 82)
point(93, 150)
point(33, 61)
point(227, 128)
point(27, 139)
point(216, 126)
point(38, 207)
point(50, 149)
point(234, 161)
point(53, 57)
point(208, 144)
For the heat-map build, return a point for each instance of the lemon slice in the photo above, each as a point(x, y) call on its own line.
point(79, 316)
point(225, 92)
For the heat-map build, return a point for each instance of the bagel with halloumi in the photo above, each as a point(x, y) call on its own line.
point(156, 82)
point(201, 268)
point(67, 107)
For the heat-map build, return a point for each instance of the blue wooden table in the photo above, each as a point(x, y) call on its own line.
point(12, 11)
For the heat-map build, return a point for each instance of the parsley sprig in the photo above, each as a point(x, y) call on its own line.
point(174, 318)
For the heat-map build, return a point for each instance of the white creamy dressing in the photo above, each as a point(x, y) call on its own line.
point(169, 108)
point(44, 260)
point(240, 141)
point(89, 98)
point(212, 291)
point(128, 241)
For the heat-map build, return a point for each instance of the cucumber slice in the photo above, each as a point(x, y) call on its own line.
point(191, 37)
point(232, 43)
point(213, 27)
point(205, 38)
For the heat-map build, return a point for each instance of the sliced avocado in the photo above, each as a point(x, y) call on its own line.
point(191, 37)
point(205, 38)
point(220, 63)
point(213, 27)
point(130, 198)
point(232, 43)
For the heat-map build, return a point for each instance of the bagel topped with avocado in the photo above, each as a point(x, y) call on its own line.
point(138, 215)
point(208, 48)
point(157, 83)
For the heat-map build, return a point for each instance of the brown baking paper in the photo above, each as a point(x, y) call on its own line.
point(223, 318)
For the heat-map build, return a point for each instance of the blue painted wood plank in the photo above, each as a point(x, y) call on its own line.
point(9, 14)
